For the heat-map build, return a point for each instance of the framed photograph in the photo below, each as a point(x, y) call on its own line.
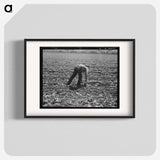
point(79, 78)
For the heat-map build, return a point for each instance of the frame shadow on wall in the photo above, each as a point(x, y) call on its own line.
point(18, 47)
point(14, 80)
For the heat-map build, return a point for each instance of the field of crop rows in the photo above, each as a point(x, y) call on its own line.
point(102, 87)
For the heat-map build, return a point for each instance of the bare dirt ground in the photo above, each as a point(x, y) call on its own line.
point(102, 88)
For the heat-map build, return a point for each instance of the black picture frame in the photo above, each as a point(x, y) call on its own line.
point(25, 76)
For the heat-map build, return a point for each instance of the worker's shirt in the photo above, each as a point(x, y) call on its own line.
point(82, 68)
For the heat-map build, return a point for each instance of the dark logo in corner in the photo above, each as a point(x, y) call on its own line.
point(8, 8)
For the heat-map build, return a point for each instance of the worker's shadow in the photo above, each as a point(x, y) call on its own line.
point(75, 87)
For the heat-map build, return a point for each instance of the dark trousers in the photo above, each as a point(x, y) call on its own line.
point(75, 72)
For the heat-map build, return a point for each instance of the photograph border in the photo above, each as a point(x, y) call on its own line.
point(25, 76)
point(41, 78)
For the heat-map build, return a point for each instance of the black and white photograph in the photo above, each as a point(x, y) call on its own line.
point(79, 77)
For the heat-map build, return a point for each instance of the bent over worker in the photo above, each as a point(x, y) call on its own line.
point(81, 70)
